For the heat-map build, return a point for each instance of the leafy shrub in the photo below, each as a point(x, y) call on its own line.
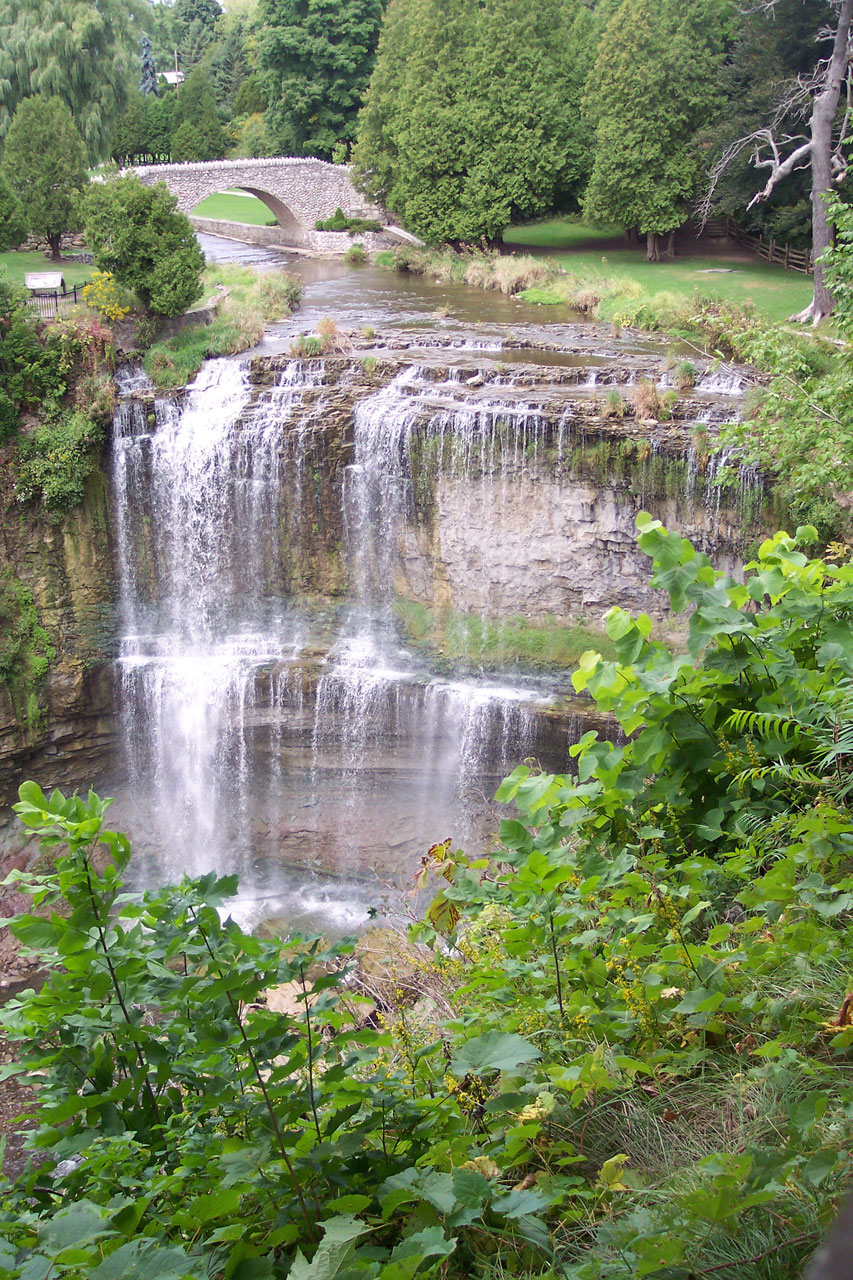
point(685, 375)
point(138, 235)
point(240, 1136)
point(614, 405)
point(55, 461)
point(356, 255)
point(341, 221)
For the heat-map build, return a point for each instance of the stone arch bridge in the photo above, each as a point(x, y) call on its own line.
point(300, 192)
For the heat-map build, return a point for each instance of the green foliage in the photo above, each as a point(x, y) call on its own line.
point(13, 222)
point(56, 460)
point(252, 300)
point(196, 109)
point(195, 24)
point(32, 374)
point(341, 221)
point(653, 85)
point(250, 99)
point(25, 649)
point(148, 76)
point(80, 51)
point(473, 118)
point(314, 62)
point(230, 67)
point(214, 1133)
point(138, 235)
point(187, 144)
point(250, 139)
point(356, 255)
point(45, 165)
point(839, 267)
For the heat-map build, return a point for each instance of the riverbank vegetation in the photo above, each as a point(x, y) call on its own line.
point(247, 301)
point(616, 1047)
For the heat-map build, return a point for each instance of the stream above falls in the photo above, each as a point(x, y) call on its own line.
point(277, 524)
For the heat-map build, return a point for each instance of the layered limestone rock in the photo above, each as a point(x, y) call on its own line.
point(59, 726)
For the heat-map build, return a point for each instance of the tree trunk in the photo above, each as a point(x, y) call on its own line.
point(55, 242)
point(669, 251)
point(652, 241)
point(632, 236)
point(823, 118)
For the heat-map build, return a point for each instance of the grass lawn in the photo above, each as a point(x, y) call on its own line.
point(233, 206)
point(776, 292)
point(559, 233)
point(18, 264)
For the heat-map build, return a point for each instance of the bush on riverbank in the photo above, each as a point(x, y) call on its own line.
point(632, 1053)
point(250, 300)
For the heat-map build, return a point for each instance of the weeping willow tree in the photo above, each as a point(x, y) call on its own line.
point(77, 50)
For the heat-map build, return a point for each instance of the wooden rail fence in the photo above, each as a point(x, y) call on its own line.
point(782, 254)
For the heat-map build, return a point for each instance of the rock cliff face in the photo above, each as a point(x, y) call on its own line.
point(58, 726)
point(498, 493)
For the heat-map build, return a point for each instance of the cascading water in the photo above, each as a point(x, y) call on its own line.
point(197, 502)
point(242, 755)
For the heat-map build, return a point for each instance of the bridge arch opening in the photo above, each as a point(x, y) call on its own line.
point(293, 230)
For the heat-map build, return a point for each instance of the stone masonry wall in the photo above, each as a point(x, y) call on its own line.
point(298, 191)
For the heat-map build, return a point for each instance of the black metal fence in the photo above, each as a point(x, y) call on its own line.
point(48, 305)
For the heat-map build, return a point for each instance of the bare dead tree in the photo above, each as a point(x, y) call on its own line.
point(820, 147)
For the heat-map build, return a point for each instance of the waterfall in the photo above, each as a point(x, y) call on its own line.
point(197, 501)
point(262, 729)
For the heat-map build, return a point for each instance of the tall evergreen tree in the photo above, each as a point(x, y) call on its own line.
point(130, 136)
point(13, 222)
point(80, 51)
point(473, 114)
point(45, 164)
point(228, 64)
point(148, 78)
point(196, 106)
point(653, 86)
point(314, 61)
point(195, 25)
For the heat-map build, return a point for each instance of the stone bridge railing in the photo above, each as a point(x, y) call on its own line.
point(300, 192)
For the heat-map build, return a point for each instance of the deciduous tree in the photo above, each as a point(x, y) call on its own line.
point(824, 149)
point(137, 233)
point(45, 163)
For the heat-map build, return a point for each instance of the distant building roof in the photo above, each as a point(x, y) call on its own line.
point(45, 281)
point(173, 77)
